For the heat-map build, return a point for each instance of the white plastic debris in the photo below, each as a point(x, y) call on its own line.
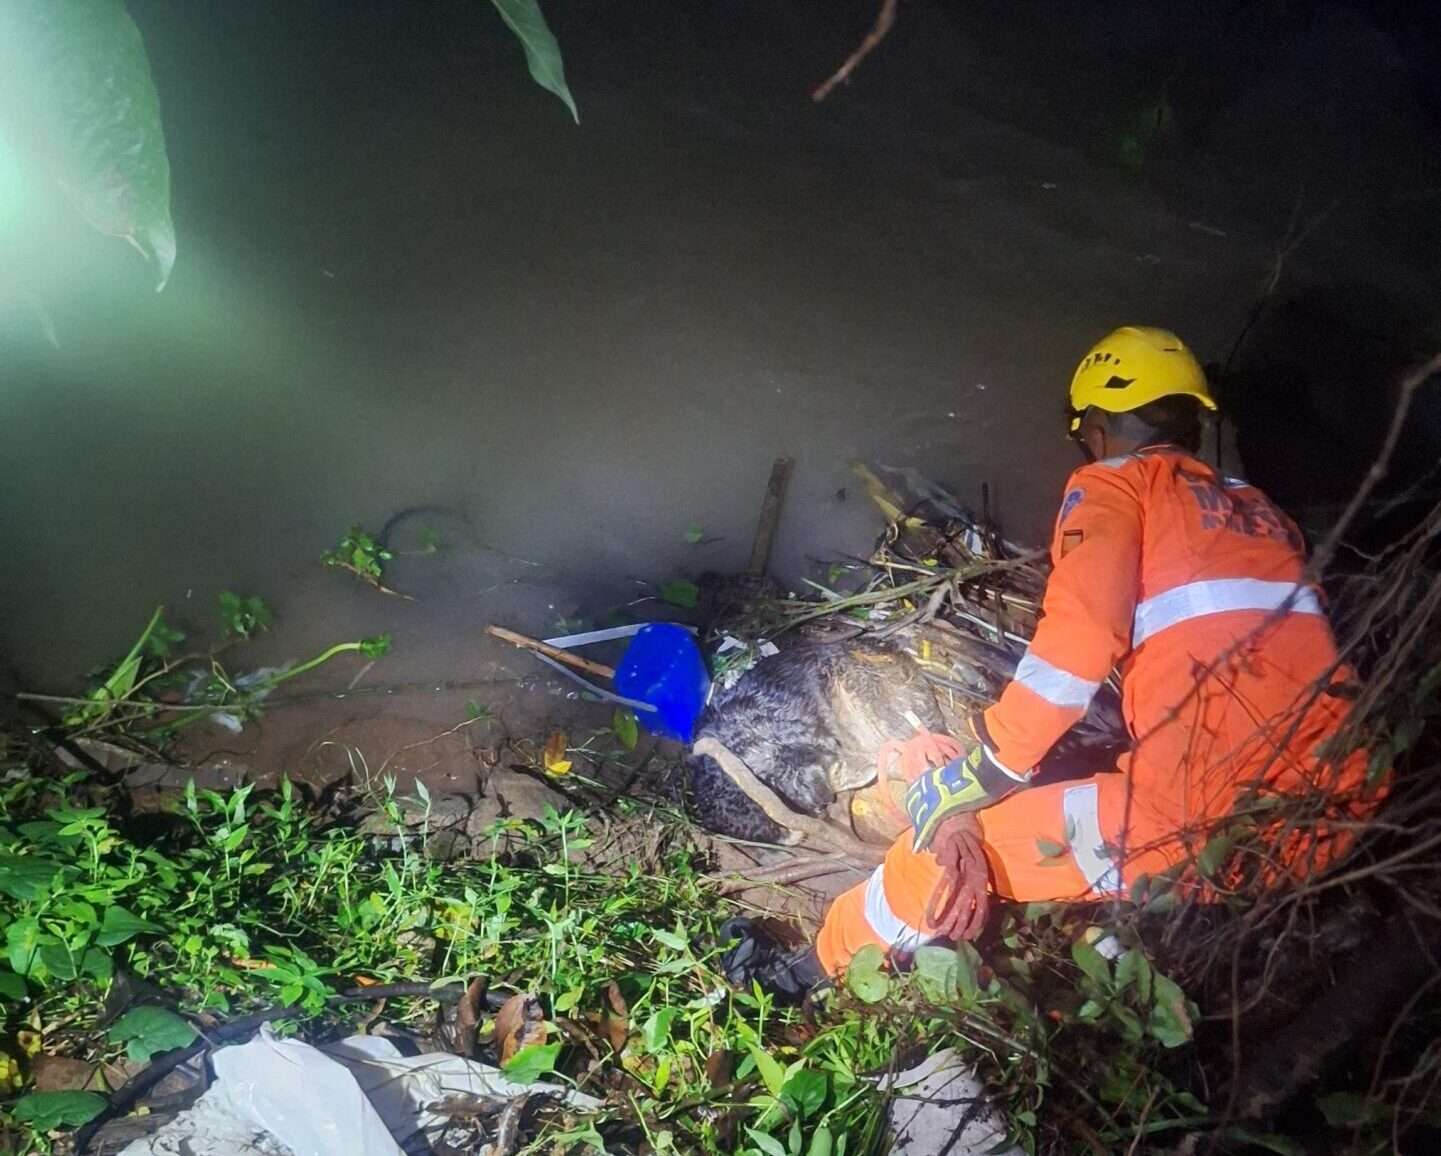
point(360, 1097)
point(274, 1097)
point(941, 1108)
point(404, 1089)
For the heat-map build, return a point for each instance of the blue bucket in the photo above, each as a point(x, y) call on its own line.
point(664, 667)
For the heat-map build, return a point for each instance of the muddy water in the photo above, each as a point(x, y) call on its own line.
point(406, 280)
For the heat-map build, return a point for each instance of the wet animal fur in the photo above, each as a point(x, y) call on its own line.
point(808, 722)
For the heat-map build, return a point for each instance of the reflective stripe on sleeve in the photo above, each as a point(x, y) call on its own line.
point(1088, 845)
point(1217, 596)
point(888, 926)
point(1058, 687)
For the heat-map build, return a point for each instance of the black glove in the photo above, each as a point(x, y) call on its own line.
point(760, 957)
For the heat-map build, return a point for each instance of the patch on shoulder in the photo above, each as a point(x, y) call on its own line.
point(1069, 503)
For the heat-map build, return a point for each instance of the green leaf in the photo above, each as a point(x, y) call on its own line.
point(670, 939)
point(542, 53)
point(27, 877)
point(1170, 1023)
point(243, 617)
point(97, 964)
point(117, 925)
point(1145, 979)
point(12, 986)
point(865, 976)
point(1092, 962)
point(46, 1111)
point(805, 1091)
point(772, 1074)
point(147, 1031)
point(1344, 1109)
point(937, 972)
point(686, 595)
point(83, 96)
point(567, 1000)
point(655, 1032)
point(1050, 849)
point(1213, 855)
point(968, 973)
point(1128, 971)
point(531, 1062)
point(1281, 1145)
point(1131, 1026)
point(22, 943)
point(377, 647)
point(56, 960)
point(694, 533)
point(766, 1143)
point(624, 725)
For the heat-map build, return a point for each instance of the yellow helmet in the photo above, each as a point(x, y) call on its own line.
point(1135, 365)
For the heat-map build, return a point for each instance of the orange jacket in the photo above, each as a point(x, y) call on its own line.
point(1175, 575)
point(1144, 544)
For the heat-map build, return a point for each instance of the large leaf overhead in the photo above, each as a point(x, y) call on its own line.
point(76, 96)
point(542, 53)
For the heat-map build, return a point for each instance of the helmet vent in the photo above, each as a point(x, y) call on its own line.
point(1118, 382)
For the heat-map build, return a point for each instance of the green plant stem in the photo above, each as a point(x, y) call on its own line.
point(319, 660)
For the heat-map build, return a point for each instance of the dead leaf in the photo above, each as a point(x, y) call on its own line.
point(519, 1023)
point(616, 1020)
point(467, 1017)
point(61, 1074)
point(718, 1068)
point(554, 757)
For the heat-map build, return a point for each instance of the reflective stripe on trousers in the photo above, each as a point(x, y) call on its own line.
point(1081, 807)
point(889, 927)
point(1217, 596)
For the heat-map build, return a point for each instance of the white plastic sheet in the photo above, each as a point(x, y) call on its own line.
point(360, 1097)
point(941, 1108)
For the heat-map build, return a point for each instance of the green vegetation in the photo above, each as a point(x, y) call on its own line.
point(250, 900)
point(155, 691)
point(362, 554)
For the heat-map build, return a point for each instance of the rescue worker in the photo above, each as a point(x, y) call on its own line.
point(1192, 585)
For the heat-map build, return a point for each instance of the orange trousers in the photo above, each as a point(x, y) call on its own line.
point(1093, 838)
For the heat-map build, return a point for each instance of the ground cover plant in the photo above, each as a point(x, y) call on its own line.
point(243, 902)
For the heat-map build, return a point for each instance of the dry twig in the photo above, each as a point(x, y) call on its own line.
point(884, 20)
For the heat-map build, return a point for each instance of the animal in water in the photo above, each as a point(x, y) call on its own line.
point(809, 723)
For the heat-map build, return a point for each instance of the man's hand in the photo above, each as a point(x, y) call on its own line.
point(962, 900)
point(758, 956)
point(966, 784)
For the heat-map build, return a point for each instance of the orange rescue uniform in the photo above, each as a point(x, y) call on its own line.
point(1191, 584)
